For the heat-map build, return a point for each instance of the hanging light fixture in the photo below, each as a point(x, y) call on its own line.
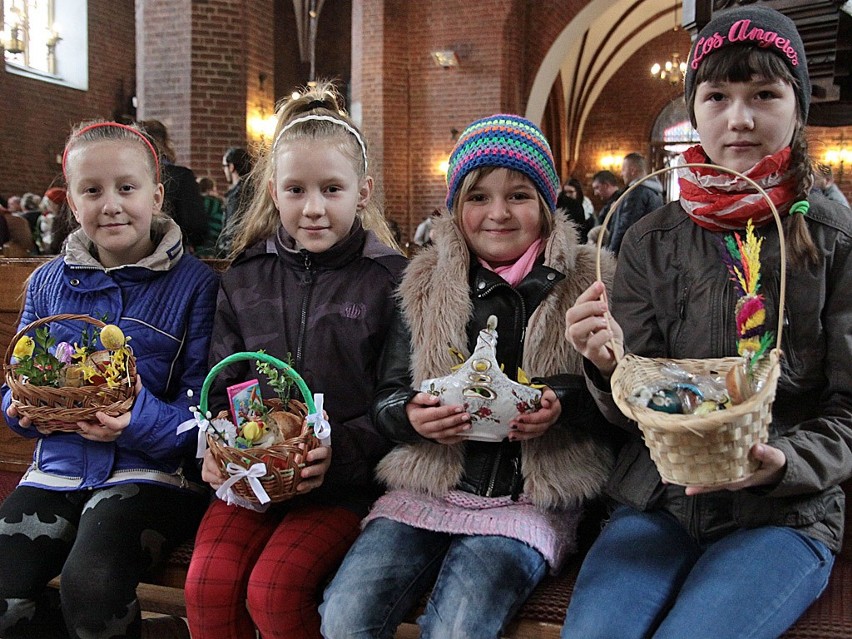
point(673, 69)
point(13, 35)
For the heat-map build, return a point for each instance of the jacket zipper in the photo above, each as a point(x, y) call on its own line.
point(517, 478)
point(303, 315)
point(494, 468)
point(176, 473)
point(694, 528)
point(520, 317)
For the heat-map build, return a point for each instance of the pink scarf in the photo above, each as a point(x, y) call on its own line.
point(722, 202)
point(520, 268)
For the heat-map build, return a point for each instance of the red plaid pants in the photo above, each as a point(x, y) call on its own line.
point(263, 570)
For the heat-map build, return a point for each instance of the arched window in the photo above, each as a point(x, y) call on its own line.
point(47, 40)
point(671, 135)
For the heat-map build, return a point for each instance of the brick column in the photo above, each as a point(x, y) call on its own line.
point(409, 106)
point(200, 66)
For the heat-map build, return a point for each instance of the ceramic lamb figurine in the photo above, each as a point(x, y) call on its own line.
point(485, 391)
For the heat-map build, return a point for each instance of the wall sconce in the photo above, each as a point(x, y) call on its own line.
point(261, 126)
point(445, 58)
point(611, 162)
point(837, 157)
point(443, 165)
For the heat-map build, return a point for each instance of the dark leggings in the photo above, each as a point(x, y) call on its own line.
point(100, 541)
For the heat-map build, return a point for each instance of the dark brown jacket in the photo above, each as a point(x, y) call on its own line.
point(330, 311)
point(674, 298)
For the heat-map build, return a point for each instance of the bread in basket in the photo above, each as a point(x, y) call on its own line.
point(264, 474)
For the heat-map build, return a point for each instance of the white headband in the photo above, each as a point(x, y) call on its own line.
point(325, 118)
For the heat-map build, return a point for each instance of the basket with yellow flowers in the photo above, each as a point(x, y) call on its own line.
point(56, 385)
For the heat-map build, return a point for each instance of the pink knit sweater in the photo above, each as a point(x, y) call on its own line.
point(551, 532)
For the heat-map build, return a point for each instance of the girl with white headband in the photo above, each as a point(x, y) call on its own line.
point(309, 280)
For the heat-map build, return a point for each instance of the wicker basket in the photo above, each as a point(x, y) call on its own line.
point(285, 459)
point(59, 409)
point(702, 450)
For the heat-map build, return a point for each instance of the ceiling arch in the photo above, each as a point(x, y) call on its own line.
point(589, 51)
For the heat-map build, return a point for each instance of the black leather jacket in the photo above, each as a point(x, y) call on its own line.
point(490, 469)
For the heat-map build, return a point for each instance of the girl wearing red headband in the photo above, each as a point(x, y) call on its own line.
point(103, 505)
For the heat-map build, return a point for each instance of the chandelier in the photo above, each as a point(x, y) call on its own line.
point(673, 70)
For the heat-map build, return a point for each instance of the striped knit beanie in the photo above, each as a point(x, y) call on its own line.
point(504, 141)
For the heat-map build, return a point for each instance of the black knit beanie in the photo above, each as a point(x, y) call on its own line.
point(760, 26)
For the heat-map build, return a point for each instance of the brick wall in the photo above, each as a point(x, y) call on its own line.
point(410, 105)
point(201, 61)
point(36, 117)
point(201, 65)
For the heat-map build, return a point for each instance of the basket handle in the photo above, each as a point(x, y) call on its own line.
point(46, 320)
point(618, 349)
point(264, 357)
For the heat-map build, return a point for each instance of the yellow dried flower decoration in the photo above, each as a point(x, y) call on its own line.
point(24, 348)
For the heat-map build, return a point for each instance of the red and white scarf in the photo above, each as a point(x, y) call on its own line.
point(723, 202)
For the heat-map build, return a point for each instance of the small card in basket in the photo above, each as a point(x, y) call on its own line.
point(245, 401)
point(485, 391)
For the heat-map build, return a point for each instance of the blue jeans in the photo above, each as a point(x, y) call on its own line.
point(480, 582)
point(646, 577)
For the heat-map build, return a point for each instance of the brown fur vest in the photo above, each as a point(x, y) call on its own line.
point(565, 465)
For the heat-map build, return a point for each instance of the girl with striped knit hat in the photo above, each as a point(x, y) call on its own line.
point(479, 522)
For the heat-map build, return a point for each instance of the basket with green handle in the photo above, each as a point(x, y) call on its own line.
point(713, 448)
point(283, 460)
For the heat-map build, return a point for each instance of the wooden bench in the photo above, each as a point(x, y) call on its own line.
point(830, 617)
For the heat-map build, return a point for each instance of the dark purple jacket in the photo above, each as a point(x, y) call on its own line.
point(331, 312)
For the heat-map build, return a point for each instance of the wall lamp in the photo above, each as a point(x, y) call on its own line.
point(445, 58)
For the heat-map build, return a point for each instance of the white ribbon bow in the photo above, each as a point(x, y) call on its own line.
point(203, 426)
point(322, 429)
point(252, 474)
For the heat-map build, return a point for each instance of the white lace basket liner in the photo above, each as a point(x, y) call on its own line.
point(260, 475)
point(711, 449)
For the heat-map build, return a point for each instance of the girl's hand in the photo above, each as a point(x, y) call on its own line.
point(24, 422)
point(107, 429)
point(589, 329)
point(771, 470)
point(444, 424)
point(318, 461)
point(535, 424)
point(210, 471)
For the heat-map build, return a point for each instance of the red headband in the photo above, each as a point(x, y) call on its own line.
point(116, 125)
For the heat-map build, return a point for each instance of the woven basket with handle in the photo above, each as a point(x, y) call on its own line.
point(284, 459)
point(59, 409)
point(702, 450)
